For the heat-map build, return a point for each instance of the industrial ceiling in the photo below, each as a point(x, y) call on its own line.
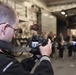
point(58, 2)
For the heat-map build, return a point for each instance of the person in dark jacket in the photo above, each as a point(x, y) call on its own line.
point(60, 44)
point(50, 35)
point(8, 64)
point(69, 40)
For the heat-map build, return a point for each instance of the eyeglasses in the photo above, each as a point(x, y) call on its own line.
point(15, 30)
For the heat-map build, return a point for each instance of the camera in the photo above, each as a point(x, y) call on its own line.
point(74, 43)
point(35, 41)
point(35, 44)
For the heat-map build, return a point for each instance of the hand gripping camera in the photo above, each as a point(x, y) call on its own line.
point(35, 41)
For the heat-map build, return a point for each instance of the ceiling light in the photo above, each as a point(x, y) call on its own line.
point(66, 15)
point(63, 12)
point(51, 16)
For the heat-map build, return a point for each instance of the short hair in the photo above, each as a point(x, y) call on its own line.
point(7, 14)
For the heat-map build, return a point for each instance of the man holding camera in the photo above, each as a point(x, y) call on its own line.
point(8, 64)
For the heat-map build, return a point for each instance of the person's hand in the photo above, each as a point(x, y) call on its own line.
point(46, 50)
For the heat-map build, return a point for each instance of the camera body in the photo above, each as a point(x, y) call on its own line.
point(35, 41)
point(35, 44)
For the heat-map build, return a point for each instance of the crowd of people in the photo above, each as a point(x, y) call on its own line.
point(59, 42)
point(62, 43)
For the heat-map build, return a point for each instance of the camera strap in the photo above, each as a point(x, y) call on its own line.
point(8, 46)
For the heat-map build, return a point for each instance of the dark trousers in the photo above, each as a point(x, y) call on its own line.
point(61, 49)
point(53, 51)
point(70, 51)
